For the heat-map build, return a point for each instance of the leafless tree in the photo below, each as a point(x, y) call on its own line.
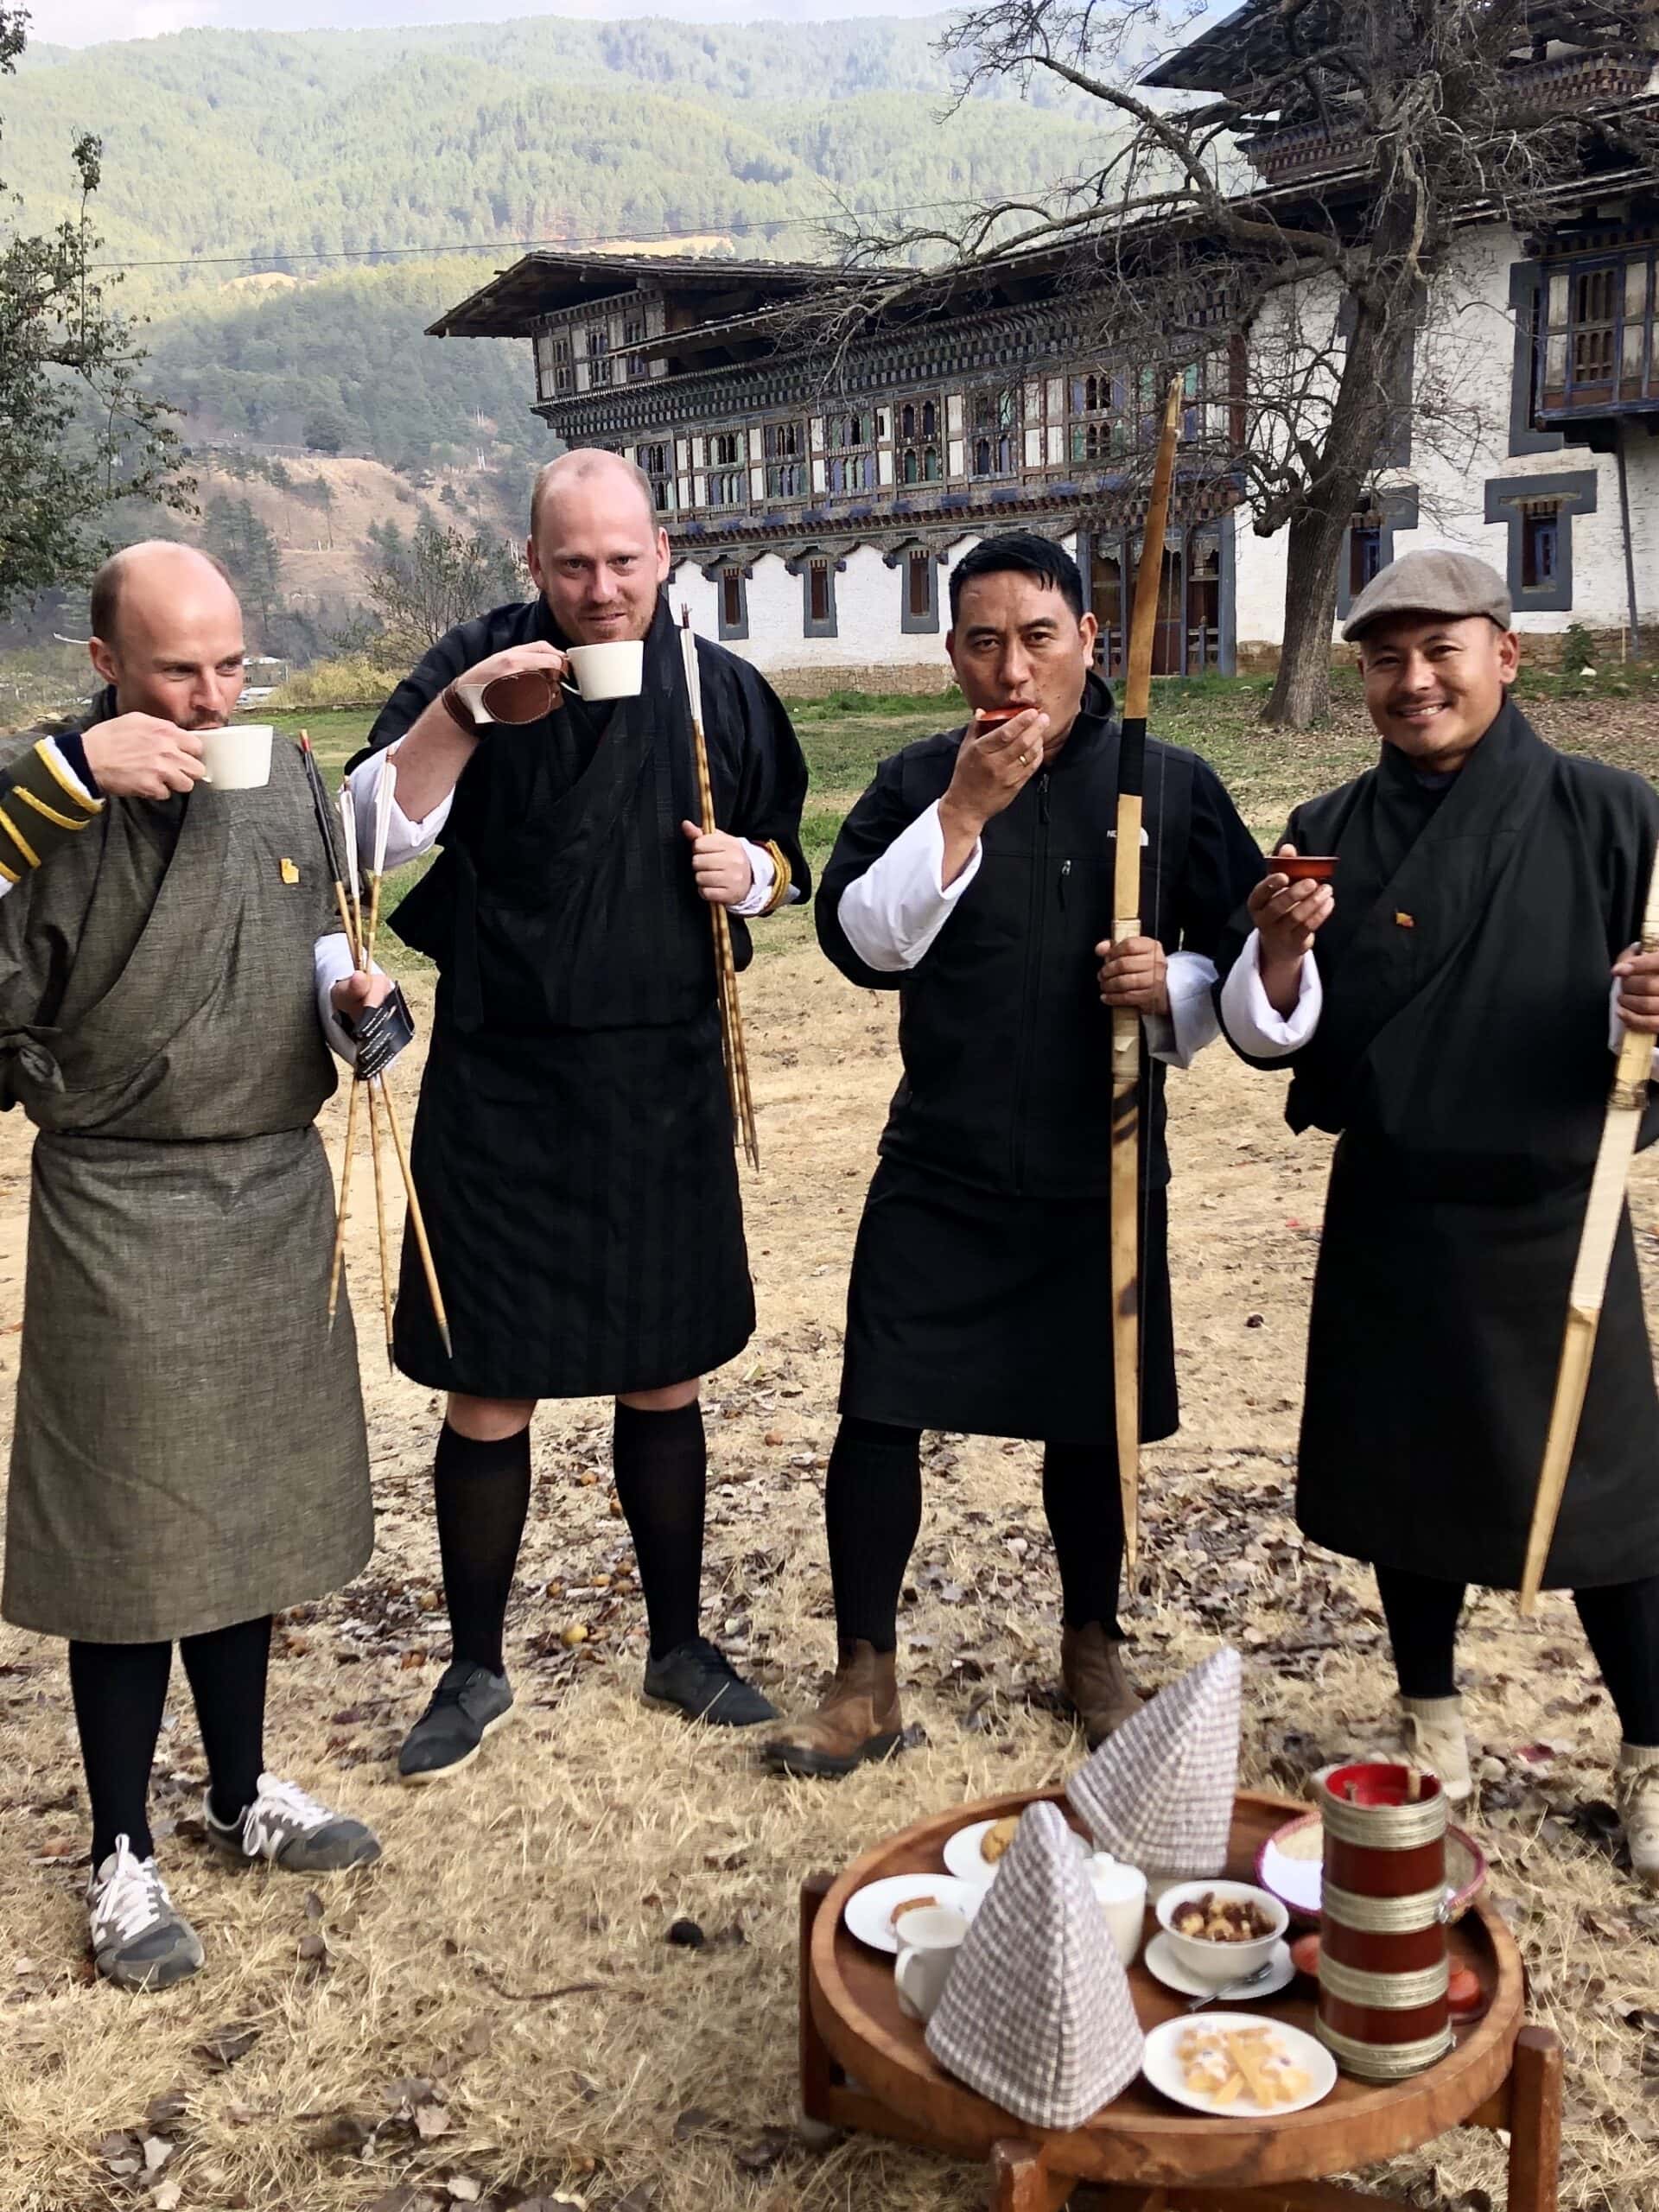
point(1419, 118)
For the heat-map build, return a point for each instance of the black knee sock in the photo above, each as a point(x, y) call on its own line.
point(226, 1670)
point(1623, 1626)
point(873, 1515)
point(1084, 1507)
point(1423, 1614)
point(119, 1691)
point(481, 1492)
point(662, 1473)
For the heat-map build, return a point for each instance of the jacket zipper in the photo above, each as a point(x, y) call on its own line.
point(1032, 978)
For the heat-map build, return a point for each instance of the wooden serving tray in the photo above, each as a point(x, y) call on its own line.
point(865, 2065)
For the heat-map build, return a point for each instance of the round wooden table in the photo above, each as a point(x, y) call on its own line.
point(865, 2066)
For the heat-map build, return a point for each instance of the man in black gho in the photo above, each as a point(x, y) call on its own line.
point(1471, 971)
point(573, 1148)
point(974, 878)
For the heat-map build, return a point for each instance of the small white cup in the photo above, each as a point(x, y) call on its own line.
point(928, 1942)
point(615, 670)
point(1121, 1893)
point(237, 758)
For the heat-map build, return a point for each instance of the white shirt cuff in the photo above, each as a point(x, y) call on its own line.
point(1177, 1037)
point(405, 840)
point(1254, 1025)
point(332, 963)
point(893, 912)
point(753, 901)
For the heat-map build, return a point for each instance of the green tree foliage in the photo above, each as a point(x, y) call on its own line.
point(422, 584)
point(234, 534)
point(77, 433)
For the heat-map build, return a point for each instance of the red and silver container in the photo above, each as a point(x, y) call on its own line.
point(1382, 1947)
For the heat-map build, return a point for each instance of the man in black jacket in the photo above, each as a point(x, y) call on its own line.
point(975, 877)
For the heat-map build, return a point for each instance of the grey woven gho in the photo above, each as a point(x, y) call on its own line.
point(1158, 1792)
point(1037, 2014)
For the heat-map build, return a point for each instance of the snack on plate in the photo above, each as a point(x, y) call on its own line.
point(1211, 1919)
point(905, 1905)
point(997, 1838)
point(1223, 2064)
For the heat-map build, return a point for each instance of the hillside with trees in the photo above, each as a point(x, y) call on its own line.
point(240, 166)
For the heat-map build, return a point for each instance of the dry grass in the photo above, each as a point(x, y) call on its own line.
point(504, 1977)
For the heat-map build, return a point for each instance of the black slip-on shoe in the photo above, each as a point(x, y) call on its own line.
point(468, 1702)
point(699, 1680)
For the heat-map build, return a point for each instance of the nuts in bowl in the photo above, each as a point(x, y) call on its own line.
point(1221, 1931)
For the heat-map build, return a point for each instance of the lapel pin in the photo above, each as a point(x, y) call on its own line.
point(1405, 922)
point(290, 873)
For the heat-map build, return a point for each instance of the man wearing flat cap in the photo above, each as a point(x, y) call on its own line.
point(1474, 968)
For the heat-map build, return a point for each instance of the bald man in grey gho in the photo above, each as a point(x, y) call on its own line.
point(190, 1456)
point(573, 1149)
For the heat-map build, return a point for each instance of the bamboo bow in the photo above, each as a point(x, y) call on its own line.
point(1619, 1130)
point(1126, 1021)
point(733, 1050)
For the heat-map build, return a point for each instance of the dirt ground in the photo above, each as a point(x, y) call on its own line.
point(494, 2014)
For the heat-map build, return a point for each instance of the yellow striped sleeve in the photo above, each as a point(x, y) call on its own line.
point(18, 839)
point(10, 873)
point(48, 755)
point(50, 812)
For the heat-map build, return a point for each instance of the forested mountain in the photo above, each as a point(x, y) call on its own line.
point(243, 154)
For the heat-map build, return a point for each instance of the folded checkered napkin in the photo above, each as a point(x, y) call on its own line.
point(1159, 1793)
point(1037, 2014)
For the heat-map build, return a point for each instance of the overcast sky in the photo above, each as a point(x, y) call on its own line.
point(84, 22)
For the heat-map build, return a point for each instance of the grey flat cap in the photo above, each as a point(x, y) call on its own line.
point(1438, 583)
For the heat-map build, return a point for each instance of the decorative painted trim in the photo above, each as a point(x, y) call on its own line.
point(1526, 283)
point(1394, 509)
point(1507, 499)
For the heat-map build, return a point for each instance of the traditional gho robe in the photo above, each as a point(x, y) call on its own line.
point(1461, 1054)
point(573, 1145)
point(189, 1448)
point(980, 1291)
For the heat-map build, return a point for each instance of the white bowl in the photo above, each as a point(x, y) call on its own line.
point(1221, 1963)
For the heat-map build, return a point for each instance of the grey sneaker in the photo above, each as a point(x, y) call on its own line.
point(468, 1702)
point(138, 1940)
point(699, 1680)
point(293, 1831)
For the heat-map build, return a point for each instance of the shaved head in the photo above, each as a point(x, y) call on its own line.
point(152, 565)
point(588, 465)
point(597, 552)
point(167, 633)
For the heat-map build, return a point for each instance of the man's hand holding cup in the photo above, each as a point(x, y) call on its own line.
point(994, 762)
point(139, 756)
point(1288, 916)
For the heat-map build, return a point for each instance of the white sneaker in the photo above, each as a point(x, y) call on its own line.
point(293, 1831)
point(1636, 1791)
point(1435, 1740)
point(138, 1940)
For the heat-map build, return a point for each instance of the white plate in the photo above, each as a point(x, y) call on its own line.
point(965, 1855)
point(867, 1911)
point(1297, 1881)
point(1165, 2072)
point(1161, 1961)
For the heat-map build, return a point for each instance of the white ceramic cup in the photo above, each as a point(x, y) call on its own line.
point(615, 670)
point(1121, 1893)
point(238, 759)
point(928, 1942)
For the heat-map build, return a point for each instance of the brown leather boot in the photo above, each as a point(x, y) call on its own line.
point(1092, 1672)
point(859, 1718)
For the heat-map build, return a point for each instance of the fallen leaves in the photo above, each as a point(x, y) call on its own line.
point(224, 2046)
